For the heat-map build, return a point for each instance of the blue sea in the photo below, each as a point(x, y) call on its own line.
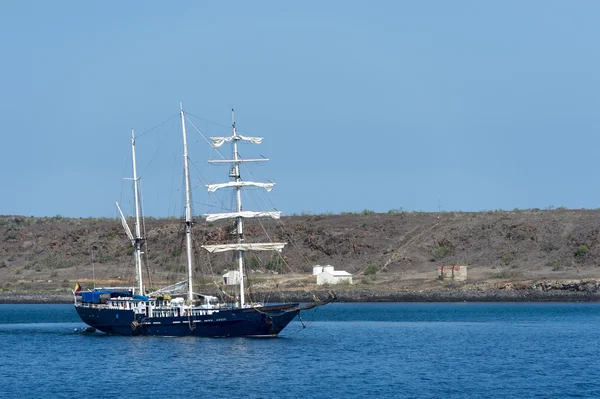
point(385, 350)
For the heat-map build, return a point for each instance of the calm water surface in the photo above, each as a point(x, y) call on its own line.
point(348, 350)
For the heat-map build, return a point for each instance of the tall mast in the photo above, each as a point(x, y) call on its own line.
point(137, 241)
point(240, 246)
point(240, 220)
point(188, 207)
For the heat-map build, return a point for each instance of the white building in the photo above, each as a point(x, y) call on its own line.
point(331, 276)
point(232, 278)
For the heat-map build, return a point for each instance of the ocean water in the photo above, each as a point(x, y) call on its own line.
point(384, 350)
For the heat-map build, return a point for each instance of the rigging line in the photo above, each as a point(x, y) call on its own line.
point(157, 126)
point(208, 120)
point(218, 199)
point(124, 269)
point(147, 263)
point(279, 255)
point(292, 244)
point(127, 161)
point(156, 152)
point(304, 324)
point(211, 268)
point(209, 142)
point(201, 177)
point(281, 224)
point(171, 191)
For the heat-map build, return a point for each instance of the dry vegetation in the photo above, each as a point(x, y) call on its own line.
point(393, 251)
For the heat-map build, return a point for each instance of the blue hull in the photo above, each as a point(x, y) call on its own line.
point(265, 321)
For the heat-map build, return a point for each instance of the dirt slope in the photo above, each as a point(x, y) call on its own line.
point(401, 249)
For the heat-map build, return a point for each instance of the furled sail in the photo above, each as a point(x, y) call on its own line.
point(276, 246)
point(219, 141)
point(211, 217)
point(214, 187)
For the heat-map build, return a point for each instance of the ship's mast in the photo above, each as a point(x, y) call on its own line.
point(188, 207)
point(137, 242)
point(238, 197)
point(240, 246)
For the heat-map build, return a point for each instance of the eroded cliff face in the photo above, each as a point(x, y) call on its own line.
point(508, 251)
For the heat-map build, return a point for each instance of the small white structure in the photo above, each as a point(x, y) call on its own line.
point(232, 277)
point(317, 270)
point(458, 273)
point(331, 276)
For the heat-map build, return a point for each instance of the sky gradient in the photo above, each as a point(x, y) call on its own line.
point(458, 106)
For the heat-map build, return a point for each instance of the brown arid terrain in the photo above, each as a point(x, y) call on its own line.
point(521, 255)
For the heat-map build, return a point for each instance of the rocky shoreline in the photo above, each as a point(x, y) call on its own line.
point(525, 291)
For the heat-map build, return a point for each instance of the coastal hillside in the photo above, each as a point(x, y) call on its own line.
point(393, 251)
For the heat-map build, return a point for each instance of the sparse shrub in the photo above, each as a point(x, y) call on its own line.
point(441, 252)
point(549, 246)
point(175, 252)
point(102, 258)
point(371, 270)
point(520, 235)
point(507, 257)
point(366, 212)
point(399, 211)
point(51, 261)
point(508, 274)
point(581, 251)
point(555, 264)
point(11, 235)
point(275, 264)
point(253, 263)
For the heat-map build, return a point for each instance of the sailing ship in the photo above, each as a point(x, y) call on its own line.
point(171, 312)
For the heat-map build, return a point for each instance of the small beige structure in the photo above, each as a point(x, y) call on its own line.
point(232, 277)
point(331, 276)
point(457, 273)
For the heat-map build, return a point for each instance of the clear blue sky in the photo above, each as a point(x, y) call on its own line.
point(467, 105)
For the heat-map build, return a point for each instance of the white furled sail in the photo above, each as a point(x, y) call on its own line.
point(219, 141)
point(211, 217)
point(125, 226)
point(274, 246)
point(214, 187)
